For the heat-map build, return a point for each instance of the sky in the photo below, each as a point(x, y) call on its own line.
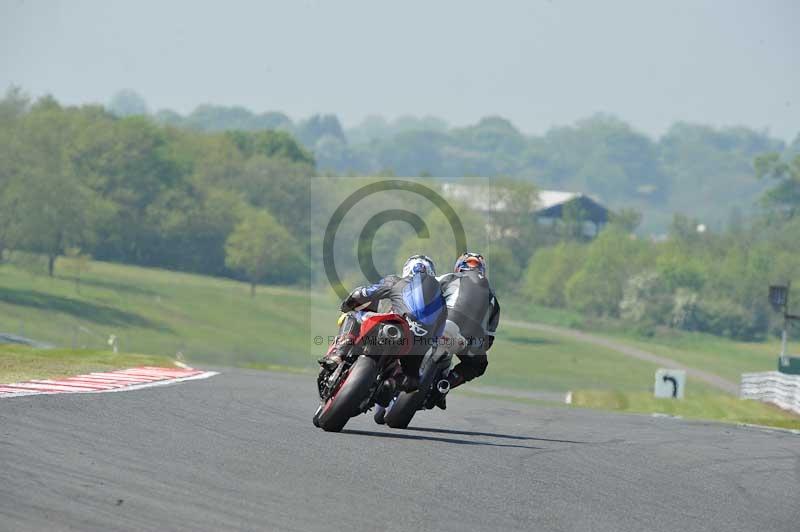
point(537, 63)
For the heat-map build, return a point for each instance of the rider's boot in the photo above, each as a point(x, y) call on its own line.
point(407, 374)
point(336, 352)
point(339, 348)
point(455, 380)
point(387, 392)
point(441, 402)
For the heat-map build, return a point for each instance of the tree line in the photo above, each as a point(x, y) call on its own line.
point(712, 281)
point(695, 279)
point(81, 180)
point(126, 187)
point(692, 168)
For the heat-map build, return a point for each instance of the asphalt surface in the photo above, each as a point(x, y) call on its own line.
point(238, 451)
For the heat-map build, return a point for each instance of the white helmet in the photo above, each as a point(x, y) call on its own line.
point(418, 264)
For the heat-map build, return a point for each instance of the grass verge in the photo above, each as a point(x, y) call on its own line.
point(212, 320)
point(722, 356)
point(707, 406)
point(20, 363)
point(536, 360)
point(206, 319)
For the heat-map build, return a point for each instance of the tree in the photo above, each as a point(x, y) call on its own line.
point(280, 186)
point(604, 155)
point(127, 103)
point(318, 126)
point(597, 287)
point(128, 163)
point(514, 220)
point(502, 268)
point(550, 269)
point(12, 110)
point(262, 250)
point(14, 105)
point(573, 219)
point(627, 219)
point(784, 198)
point(333, 153)
point(440, 243)
point(375, 127)
point(50, 208)
point(491, 135)
point(213, 118)
point(270, 144)
point(411, 152)
point(712, 168)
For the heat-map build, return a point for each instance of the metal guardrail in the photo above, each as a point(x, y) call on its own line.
point(773, 387)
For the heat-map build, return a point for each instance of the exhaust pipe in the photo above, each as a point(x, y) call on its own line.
point(390, 332)
point(443, 386)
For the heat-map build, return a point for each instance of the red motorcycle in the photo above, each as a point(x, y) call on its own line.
point(361, 380)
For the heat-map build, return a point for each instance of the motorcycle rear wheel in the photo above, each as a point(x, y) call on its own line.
point(401, 412)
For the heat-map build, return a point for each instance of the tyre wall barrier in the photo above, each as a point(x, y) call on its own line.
point(773, 387)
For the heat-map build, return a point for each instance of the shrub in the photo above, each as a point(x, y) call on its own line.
point(597, 288)
point(725, 317)
point(549, 270)
point(646, 299)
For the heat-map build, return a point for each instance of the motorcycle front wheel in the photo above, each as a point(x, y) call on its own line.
point(345, 402)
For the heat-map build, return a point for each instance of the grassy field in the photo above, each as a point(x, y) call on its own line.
point(215, 321)
point(696, 406)
point(160, 312)
point(19, 363)
point(722, 356)
point(522, 358)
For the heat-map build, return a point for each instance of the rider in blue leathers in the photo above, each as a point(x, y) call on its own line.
point(416, 295)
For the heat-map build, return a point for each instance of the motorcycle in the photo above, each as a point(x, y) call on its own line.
point(362, 378)
point(433, 383)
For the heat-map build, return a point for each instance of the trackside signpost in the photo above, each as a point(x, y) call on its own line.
point(779, 298)
point(670, 384)
point(782, 387)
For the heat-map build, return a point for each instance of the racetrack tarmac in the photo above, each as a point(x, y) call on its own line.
point(238, 451)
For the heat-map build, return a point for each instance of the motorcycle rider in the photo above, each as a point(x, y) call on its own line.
point(416, 295)
point(472, 305)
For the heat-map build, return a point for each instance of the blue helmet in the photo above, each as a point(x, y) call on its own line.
point(418, 264)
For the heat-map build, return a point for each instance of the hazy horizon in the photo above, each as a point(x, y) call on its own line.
point(539, 64)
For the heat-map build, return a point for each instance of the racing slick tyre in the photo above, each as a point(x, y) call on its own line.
point(380, 412)
point(400, 413)
point(315, 420)
point(345, 402)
